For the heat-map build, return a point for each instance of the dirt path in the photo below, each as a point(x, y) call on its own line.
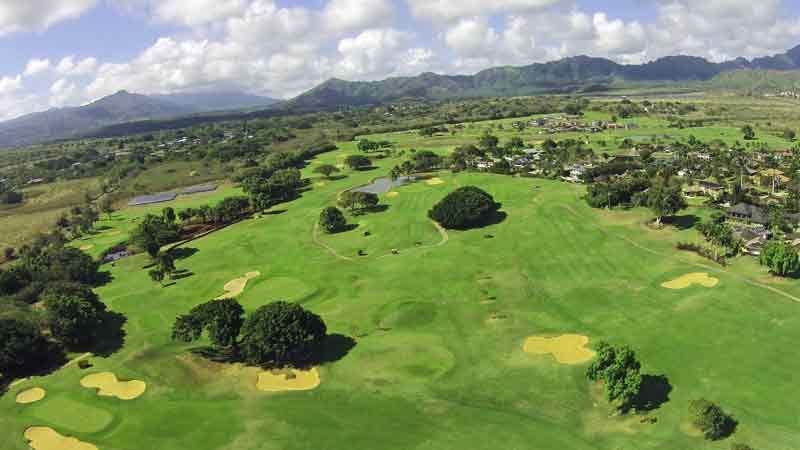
point(328, 248)
point(686, 261)
point(442, 232)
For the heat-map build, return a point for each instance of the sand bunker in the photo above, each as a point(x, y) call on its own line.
point(436, 181)
point(392, 194)
point(703, 279)
point(30, 396)
point(107, 385)
point(236, 286)
point(566, 349)
point(43, 438)
point(288, 380)
point(83, 248)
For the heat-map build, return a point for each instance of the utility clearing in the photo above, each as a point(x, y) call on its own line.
point(32, 395)
point(566, 349)
point(108, 385)
point(288, 380)
point(44, 438)
point(690, 279)
point(236, 286)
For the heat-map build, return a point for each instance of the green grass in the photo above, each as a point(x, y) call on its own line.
point(429, 370)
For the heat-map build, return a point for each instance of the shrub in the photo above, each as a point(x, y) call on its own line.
point(711, 419)
point(282, 333)
point(464, 208)
point(781, 258)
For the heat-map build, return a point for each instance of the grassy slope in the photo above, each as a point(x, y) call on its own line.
point(443, 376)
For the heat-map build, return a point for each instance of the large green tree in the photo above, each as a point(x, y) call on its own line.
point(781, 258)
point(665, 199)
point(282, 333)
point(221, 319)
point(711, 419)
point(23, 347)
point(357, 162)
point(332, 220)
point(619, 369)
point(326, 170)
point(463, 208)
point(74, 313)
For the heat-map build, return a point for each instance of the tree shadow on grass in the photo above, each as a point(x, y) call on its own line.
point(48, 362)
point(684, 222)
point(336, 177)
point(183, 252)
point(345, 228)
point(334, 347)
point(181, 274)
point(217, 354)
point(276, 212)
point(103, 278)
point(654, 392)
point(110, 336)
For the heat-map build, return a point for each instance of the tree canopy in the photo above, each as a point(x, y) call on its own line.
point(332, 220)
point(665, 199)
point(23, 347)
point(74, 313)
point(282, 333)
point(356, 162)
point(619, 369)
point(463, 208)
point(711, 419)
point(781, 258)
point(221, 319)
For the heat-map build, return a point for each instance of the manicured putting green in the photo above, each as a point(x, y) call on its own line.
point(66, 413)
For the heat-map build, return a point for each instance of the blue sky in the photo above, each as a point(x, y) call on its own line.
point(69, 52)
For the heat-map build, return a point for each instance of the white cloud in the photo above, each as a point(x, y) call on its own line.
point(9, 85)
point(63, 92)
point(67, 66)
point(472, 37)
point(197, 12)
point(340, 15)
point(378, 52)
point(449, 10)
point(37, 66)
point(28, 15)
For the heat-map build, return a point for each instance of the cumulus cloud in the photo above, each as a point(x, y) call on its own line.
point(37, 66)
point(344, 15)
point(28, 15)
point(69, 67)
point(449, 10)
point(196, 12)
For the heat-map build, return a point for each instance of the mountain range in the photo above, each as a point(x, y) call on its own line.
point(62, 123)
point(579, 74)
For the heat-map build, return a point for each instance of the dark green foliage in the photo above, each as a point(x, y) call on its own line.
point(781, 258)
point(157, 275)
point(665, 199)
point(268, 188)
point(619, 369)
point(463, 208)
point(720, 234)
point(332, 220)
point(618, 192)
point(711, 419)
point(10, 282)
point(282, 333)
point(229, 210)
point(425, 160)
point(169, 214)
point(23, 347)
point(357, 162)
point(221, 319)
point(748, 132)
point(74, 313)
point(326, 170)
point(153, 233)
point(49, 260)
point(10, 198)
point(738, 446)
point(357, 201)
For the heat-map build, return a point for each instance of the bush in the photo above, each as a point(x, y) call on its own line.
point(781, 258)
point(464, 208)
point(332, 220)
point(711, 419)
point(281, 334)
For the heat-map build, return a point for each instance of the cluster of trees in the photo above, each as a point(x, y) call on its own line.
point(620, 371)
point(81, 220)
point(721, 235)
point(622, 191)
point(357, 201)
point(464, 208)
point(367, 146)
point(358, 162)
point(267, 188)
point(69, 315)
point(665, 198)
point(154, 232)
point(278, 334)
point(420, 161)
point(781, 258)
point(326, 170)
point(9, 196)
point(711, 420)
point(229, 210)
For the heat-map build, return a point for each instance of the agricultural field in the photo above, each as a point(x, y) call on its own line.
point(474, 339)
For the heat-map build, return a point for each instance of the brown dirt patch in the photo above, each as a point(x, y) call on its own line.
point(107, 385)
point(690, 279)
point(32, 395)
point(44, 438)
point(236, 286)
point(288, 380)
point(566, 349)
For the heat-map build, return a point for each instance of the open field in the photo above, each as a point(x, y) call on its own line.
point(440, 328)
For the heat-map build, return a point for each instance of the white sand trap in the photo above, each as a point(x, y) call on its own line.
point(83, 248)
point(43, 438)
point(236, 286)
point(436, 181)
point(30, 396)
point(288, 380)
point(107, 385)
point(703, 279)
point(392, 194)
point(566, 349)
